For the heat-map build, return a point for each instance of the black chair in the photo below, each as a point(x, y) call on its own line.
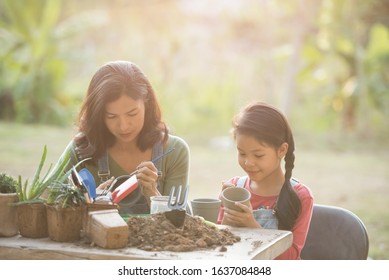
point(335, 234)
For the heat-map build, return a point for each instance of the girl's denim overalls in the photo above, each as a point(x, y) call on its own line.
point(263, 215)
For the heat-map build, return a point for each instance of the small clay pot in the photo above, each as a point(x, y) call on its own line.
point(235, 194)
point(208, 208)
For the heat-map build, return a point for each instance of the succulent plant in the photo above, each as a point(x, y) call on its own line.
point(7, 183)
point(31, 193)
point(65, 195)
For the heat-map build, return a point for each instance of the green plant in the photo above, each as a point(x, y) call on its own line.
point(7, 184)
point(36, 39)
point(65, 195)
point(32, 193)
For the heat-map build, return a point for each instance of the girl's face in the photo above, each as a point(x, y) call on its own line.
point(259, 160)
point(124, 118)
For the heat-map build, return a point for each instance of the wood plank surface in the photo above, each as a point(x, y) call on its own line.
point(255, 244)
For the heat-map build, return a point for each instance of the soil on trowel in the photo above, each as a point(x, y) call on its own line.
point(156, 233)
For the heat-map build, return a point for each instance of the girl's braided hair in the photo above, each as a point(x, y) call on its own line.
point(267, 124)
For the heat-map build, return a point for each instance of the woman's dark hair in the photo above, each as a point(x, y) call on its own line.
point(267, 124)
point(112, 80)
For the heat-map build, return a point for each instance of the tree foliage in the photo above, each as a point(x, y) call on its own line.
point(32, 69)
point(350, 59)
point(34, 63)
point(324, 58)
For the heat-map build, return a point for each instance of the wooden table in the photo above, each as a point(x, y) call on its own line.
point(255, 244)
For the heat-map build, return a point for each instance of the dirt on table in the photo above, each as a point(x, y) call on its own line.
point(156, 233)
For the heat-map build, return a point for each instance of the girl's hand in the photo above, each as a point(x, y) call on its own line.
point(147, 176)
point(226, 185)
point(240, 219)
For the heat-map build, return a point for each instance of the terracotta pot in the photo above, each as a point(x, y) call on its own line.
point(64, 224)
point(8, 215)
point(32, 220)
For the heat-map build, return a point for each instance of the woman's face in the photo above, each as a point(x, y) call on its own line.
point(259, 160)
point(124, 118)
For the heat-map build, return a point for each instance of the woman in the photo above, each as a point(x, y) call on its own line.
point(121, 131)
point(263, 138)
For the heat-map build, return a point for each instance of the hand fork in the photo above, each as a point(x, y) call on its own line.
point(177, 215)
point(175, 201)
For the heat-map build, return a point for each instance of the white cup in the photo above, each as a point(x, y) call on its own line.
point(158, 204)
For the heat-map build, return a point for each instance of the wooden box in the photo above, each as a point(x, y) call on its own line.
point(107, 229)
point(90, 207)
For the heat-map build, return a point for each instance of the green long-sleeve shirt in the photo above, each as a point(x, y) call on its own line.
point(175, 166)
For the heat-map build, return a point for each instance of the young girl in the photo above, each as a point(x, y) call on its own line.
point(263, 138)
point(121, 129)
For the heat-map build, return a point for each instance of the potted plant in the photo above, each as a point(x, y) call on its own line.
point(64, 212)
point(8, 196)
point(31, 210)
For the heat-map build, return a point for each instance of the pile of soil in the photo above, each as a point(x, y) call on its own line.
point(156, 233)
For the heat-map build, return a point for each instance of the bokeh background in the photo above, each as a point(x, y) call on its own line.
point(324, 63)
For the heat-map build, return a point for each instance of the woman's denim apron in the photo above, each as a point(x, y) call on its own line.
point(263, 215)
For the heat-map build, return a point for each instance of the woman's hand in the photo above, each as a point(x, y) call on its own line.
point(105, 185)
point(240, 219)
point(147, 175)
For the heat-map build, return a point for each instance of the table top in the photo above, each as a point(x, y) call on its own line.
point(263, 244)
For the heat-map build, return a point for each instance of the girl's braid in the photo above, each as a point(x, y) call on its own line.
point(289, 157)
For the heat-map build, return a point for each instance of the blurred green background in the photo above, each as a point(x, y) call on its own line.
point(324, 63)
